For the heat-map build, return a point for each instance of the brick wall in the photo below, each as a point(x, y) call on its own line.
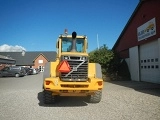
point(40, 61)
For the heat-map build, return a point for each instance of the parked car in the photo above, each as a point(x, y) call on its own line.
point(16, 71)
point(29, 71)
point(33, 71)
point(38, 70)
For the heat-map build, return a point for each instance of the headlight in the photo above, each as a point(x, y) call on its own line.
point(66, 57)
point(83, 58)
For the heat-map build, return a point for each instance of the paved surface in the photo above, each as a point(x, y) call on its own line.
point(21, 99)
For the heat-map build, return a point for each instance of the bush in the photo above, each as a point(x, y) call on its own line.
point(103, 56)
point(118, 69)
point(112, 66)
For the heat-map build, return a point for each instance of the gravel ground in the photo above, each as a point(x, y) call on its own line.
point(21, 99)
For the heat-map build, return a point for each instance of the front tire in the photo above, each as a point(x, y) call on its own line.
point(96, 98)
point(48, 97)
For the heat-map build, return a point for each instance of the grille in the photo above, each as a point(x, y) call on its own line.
point(79, 70)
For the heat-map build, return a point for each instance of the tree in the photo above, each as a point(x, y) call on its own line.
point(103, 56)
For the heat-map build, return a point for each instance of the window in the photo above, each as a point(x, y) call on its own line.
point(67, 44)
point(40, 61)
point(5, 69)
point(152, 60)
point(157, 66)
point(80, 45)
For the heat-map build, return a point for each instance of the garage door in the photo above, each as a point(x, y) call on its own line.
point(149, 62)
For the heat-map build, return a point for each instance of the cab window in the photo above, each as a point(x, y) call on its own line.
point(67, 44)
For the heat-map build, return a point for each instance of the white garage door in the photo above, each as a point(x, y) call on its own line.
point(149, 62)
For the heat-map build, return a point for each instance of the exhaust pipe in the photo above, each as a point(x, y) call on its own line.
point(74, 34)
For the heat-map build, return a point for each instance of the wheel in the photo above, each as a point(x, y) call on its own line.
point(48, 97)
point(96, 98)
point(16, 75)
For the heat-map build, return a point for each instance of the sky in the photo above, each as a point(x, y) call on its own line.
point(34, 25)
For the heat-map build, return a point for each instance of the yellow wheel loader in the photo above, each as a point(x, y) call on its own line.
point(71, 74)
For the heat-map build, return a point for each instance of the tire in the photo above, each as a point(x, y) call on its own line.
point(96, 98)
point(16, 75)
point(48, 98)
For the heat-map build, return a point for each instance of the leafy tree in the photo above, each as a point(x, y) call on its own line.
point(103, 56)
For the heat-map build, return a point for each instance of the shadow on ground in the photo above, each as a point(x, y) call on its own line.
point(145, 87)
point(63, 101)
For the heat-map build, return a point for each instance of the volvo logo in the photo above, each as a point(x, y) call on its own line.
point(74, 68)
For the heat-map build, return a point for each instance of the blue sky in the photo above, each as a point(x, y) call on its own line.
point(36, 24)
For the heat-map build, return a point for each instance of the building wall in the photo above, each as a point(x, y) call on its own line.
point(149, 9)
point(40, 61)
point(134, 63)
point(124, 54)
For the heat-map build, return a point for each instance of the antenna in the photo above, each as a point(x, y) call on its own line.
point(97, 42)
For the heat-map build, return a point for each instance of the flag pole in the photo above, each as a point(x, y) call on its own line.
point(97, 42)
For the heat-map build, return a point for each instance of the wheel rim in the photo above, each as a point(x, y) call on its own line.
point(17, 75)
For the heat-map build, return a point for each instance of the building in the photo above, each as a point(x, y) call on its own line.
point(4, 60)
point(139, 42)
point(32, 59)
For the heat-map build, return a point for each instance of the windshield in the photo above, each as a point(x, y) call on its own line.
point(67, 44)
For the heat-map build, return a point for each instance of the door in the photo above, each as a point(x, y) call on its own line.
point(149, 62)
point(41, 68)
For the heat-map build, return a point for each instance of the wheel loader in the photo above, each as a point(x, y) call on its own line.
point(71, 74)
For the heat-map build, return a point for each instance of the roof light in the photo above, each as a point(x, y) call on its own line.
point(65, 31)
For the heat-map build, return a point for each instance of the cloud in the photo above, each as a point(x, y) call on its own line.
point(10, 48)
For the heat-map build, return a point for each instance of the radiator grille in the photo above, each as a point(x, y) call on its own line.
point(79, 69)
